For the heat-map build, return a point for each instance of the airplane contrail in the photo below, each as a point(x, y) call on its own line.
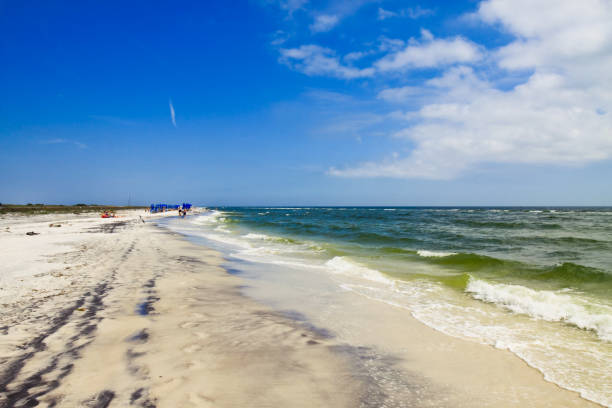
point(172, 114)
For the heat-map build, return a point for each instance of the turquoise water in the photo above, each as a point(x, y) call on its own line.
point(535, 281)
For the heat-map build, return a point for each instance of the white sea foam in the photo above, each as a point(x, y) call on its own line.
point(272, 256)
point(257, 251)
point(282, 243)
point(545, 305)
point(227, 239)
point(220, 234)
point(257, 236)
point(343, 266)
point(432, 254)
point(543, 350)
point(210, 218)
point(287, 208)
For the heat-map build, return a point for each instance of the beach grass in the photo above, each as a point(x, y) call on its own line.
point(33, 209)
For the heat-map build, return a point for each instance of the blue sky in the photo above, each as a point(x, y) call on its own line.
point(298, 102)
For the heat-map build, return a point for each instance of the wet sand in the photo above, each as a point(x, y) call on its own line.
point(124, 313)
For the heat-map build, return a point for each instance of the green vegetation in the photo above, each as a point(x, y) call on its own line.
point(32, 209)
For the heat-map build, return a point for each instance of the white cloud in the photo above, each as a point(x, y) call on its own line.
point(561, 115)
point(413, 13)
point(385, 14)
point(430, 53)
point(291, 6)
point(279, 38)
point(390, 44)
point(172, 114)
point(65, 141)
point(54, 141)
point(336, 10)
point(353, 124)
point(401, 94)
point(417, 12)
point(552, 33)
point(316, 60)
point(541, 121)
point(354, 56)
point(324, 22)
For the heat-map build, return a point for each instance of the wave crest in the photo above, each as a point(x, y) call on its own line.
point(343, 266)
point(545, 305)
point(434, 254)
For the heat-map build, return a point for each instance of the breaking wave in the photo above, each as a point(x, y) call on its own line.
point(552, 306)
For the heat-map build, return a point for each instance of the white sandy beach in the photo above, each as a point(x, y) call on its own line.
point(119, 312)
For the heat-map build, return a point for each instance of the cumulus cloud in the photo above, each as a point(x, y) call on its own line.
point(545, 97)
point(324, 22)
point(561, 114)
point(571, 34)
point(316, 60)
point(430, 52)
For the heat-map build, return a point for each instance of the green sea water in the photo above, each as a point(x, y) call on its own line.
point(535, 281)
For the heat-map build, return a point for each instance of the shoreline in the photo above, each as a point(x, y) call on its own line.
point(160, 323)
point(146, 318)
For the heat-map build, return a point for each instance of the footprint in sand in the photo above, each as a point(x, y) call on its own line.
point(202, 335)
point(188, 325)
point(200, 400)
point(194, 364)
point(192, 348)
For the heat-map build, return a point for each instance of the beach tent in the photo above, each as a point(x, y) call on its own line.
point(155, 208)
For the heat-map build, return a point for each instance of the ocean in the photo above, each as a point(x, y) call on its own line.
point(534, 281)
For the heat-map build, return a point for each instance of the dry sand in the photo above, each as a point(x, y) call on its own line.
point(120, 312)
point(143, 318)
